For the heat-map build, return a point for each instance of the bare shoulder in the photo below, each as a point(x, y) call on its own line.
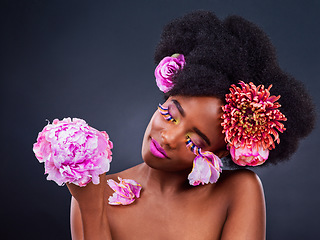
point(243, 174)
point(241, 181)
point(246, 205)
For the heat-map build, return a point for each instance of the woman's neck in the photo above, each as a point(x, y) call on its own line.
point(163, 182)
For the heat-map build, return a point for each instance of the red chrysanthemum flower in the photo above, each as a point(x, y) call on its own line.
point(251, 122)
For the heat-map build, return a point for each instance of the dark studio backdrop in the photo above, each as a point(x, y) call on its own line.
point(94, 60)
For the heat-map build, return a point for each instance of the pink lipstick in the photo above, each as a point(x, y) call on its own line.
point(156, 149)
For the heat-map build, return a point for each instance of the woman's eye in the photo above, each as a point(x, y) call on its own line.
point(194, 143)
point(192, 146)
point(166, 113)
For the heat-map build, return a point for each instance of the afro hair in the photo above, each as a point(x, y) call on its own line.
point(220, 53)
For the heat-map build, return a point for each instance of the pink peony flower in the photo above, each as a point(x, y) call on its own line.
point(251, 122)
point(73, 152)
point(249, 156)
point(125, 191)
point(166, 70)
point(205, 169)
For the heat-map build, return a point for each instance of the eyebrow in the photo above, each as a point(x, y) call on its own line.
point(180, 109)
point(182, 112)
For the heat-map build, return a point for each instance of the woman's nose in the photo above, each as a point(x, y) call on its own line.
point(172, 137)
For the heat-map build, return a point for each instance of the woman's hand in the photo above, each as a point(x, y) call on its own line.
point(90, 207)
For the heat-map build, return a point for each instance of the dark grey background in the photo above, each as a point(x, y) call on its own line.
point(94, 60)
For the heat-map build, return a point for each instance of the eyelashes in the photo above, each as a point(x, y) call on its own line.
point(165, 113)
point(193, 148)
point(167, 116)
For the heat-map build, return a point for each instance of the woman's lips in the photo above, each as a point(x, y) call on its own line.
point(156, 149)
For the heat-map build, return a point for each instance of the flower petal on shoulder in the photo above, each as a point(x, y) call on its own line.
point(116, 199)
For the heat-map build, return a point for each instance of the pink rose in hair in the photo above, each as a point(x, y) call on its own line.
point(245, 156)
point(73, 152)
point(166, 70)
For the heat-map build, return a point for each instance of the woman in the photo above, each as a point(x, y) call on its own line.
point(195, 128)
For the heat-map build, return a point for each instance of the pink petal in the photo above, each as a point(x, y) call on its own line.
point(120, 188)
point(134, 186)
point(116, 199)
point(201, 171)
point(125, 191)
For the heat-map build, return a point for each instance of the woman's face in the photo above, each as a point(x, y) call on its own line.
point(164, 142)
